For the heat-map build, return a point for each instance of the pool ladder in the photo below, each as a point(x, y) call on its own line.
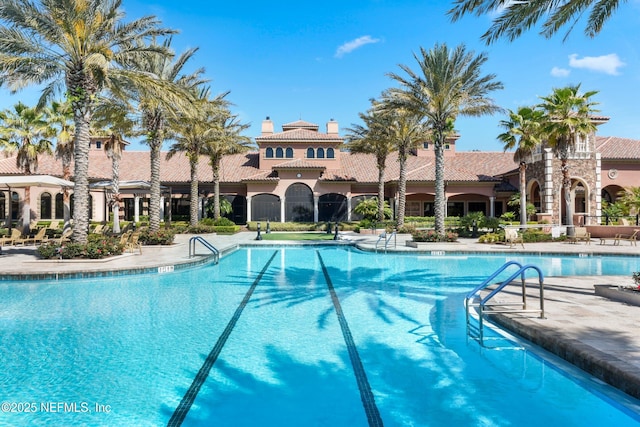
point(485, 308)
point(386, 240)
point(192, 248)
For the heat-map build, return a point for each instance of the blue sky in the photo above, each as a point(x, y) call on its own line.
point(315, 61)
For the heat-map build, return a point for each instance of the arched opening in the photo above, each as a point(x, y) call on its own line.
point(332, 207)
point(15, 205)
point(299, 203)
point(330, 153)
point(310, 153)
point(268, 153)
point(45, 206)
point(355, 201)
point(289, 153)
point(59, 211)
point(279, 153)
point(321, 153)
point(265, 207)
point(238, 209)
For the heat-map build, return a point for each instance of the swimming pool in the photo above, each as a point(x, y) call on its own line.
point(279, 336)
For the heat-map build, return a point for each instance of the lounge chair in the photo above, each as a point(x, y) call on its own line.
point(66, 237)
point(124, 238)
point(512, 237)
point(39, 238)
point(11, 239)
point(580, 234)
point(54, 225)
point(99, 229)
point(631, 238)
point(133, 244)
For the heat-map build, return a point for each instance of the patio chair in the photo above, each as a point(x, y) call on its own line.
point(631, 238)
point(39, 238)
point(11, 239)
point(66, 237)
point(133, 244)
point(580, 234)
point(512, 237)
point(54, 225)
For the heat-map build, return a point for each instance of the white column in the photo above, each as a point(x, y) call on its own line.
point(161, 208)
point(136, 208)
point(315, 208)
point(492, 202)
point(248, 208)
point(598, 189)
point(349, 208)
point(548, 182)
point(394, 207)
point(200, 207)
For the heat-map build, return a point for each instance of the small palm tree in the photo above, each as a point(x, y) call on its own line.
point(523, 131)
point(567, 117)
point(60, 116)
point(373, 138)
point(630, 197)
point(223, 140)
point(76, 47)
point(515, 17)
point(25, 133)
point(448, 84)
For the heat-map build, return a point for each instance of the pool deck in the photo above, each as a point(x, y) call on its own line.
point(596, 334)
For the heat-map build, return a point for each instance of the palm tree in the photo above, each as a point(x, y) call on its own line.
point(406, 130)
point(25, 132)
point(155, 110)
point(523, 131)
point(567, 117)
point(191, 135)
point(60, 117)
point(75, 47)
point(515, 17)
point(223, 140)
point(630, 197)
point(448, 84)
point(373, 138)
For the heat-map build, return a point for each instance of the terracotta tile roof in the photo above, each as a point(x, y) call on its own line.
point(300, 135)
point(262, 176)
point(300, 124)
point(298, 164)
point(612, 147)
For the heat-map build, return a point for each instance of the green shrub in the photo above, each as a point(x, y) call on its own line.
point(48, 250)
point(164, 236)
point(226, 229)
point(432, 236)
point(491, 238)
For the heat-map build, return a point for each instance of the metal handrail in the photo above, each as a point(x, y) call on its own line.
point(486, 308)
point(192, 247)
point(386, 239)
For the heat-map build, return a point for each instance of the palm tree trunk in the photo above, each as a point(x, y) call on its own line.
point(81, 173)
point(523, 196)
point(154, 196)
point(115, 168)
point(566, 190)
point(215, 166)
point(402, 185)
point(26, 211)
point(66, 196)
point(439, 202)
point(381, 167)
point(193, 203)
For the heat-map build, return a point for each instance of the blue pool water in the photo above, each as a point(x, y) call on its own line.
point(276, 336)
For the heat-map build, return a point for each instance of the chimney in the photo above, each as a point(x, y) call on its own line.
point(332, 127)
point(267, 127)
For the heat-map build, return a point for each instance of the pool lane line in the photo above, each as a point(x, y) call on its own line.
point(368, 400)
point(190, 396)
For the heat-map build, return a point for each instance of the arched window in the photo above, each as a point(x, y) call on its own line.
point(45, 206)
point(268, 153)
point(299, 203)
point(310, 153)
point(265, 207)
point(59, 206)
point(321, 153)
point(332, 207)
point(289, 153)
point(279, 153)
point(330, 153)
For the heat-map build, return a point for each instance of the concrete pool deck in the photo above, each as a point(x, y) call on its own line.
point(596, 334)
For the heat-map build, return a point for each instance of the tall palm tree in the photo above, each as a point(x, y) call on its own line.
point(25, 133)
point(447, 84)
point(567, 118)
point(523, 131)
point(60, 117)
point(73, 47)
point(406, 129)
point(515, 17)
point(372, 137)
point(191, 135)
point(155, 110)
point(223, 140)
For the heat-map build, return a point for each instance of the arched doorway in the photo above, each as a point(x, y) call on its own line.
point(265, 207)
point(45, 205)
point(299, 203)
point(332, 207)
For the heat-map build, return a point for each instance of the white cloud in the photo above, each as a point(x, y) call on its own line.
point(560, 72)
point(607, 64)
point(352, 45)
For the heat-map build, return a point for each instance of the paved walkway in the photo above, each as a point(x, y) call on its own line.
point(596, 334)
